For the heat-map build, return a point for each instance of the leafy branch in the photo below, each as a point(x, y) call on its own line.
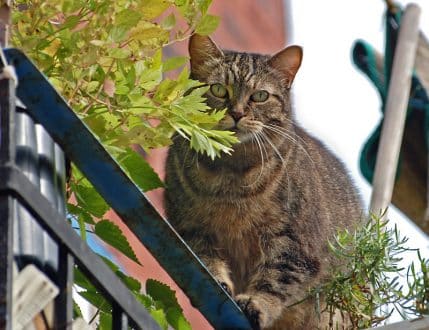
point(367, 288)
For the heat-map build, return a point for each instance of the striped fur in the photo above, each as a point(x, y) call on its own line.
point(260, 218)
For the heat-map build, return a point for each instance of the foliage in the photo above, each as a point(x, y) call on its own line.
point(105, 57)
point(418, 287)
point(367, 288)
point(160, 300)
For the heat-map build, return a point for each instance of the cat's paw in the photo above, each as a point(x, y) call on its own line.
point(251, 308)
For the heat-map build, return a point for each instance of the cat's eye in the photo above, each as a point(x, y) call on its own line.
point(259, 96)
point(218, 90)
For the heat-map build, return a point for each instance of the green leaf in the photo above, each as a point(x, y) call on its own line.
point(82, 217)
point(105, 321)
point(160, 317)
point(149, 34)
point(81, 280)
point(162, 293)
point(77, 312)
point(165, 296)
point(173, 63)
point(130, 282)
point(145, 300)
point(82, 214)
point(203, 5)
point(207, 25)
point(71, 22)
point(89, 198)
point(122, 90)
point(151, 77)
point(118, 33)
point(97, 300)
point(153, 8)
point(177, 320)
point(120, 53)
point(169, 22)
point(92, 86)
point(128, 18)
point(112, 235)
point(140, 171)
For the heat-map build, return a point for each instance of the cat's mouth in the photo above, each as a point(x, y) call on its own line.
point(245, 128)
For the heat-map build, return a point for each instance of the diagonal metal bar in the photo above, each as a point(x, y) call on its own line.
point(13, 183)
point(47, 107)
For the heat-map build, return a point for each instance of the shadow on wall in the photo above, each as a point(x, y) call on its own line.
point(248, 25)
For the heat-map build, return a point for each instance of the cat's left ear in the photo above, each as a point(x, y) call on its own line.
point(287, 61)
point(202, 50)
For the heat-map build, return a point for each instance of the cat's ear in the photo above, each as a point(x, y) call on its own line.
point(288, 62)
point(202, 50)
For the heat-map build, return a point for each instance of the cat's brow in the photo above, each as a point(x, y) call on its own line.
point(250, 70)
point(241, 68)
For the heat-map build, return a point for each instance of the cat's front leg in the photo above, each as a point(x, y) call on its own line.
point(261, 309)
point(280, 282)
point(221, 272)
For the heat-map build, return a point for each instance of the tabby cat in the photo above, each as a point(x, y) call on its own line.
point(261, 217)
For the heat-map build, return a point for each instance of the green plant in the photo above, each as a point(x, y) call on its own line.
point(418, 287)
point(367, 288)
point(105, 57)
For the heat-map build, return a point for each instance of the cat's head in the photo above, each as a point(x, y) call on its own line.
point(254, 88)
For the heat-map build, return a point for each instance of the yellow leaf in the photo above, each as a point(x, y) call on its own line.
point(51, 50)
point(151, 9)
point(149, 34)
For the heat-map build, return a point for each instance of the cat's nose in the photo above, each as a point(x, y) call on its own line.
point(237, 114)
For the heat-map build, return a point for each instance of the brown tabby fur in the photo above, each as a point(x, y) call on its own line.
point(261, 217)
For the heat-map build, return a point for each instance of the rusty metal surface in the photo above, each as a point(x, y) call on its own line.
point(80, 145)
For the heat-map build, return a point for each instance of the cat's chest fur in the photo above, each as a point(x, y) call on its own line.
point(236, 211)
point(236, 228)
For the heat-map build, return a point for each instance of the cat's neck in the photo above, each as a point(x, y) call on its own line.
point(242, 174)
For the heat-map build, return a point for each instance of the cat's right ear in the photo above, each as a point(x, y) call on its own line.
point(287, 61)
point(202, 50)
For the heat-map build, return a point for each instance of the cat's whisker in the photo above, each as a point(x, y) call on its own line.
point(196, 161)
point(259, 144)
point(258, 133)
point(287, 136)
point(286, 131)
point(266, 138)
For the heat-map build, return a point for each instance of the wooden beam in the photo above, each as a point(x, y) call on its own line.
point(396, 109)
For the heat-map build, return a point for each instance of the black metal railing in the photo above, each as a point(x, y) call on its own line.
point(32, 205)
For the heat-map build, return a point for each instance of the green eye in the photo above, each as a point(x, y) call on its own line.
point(218, 90)
point(259, 96)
